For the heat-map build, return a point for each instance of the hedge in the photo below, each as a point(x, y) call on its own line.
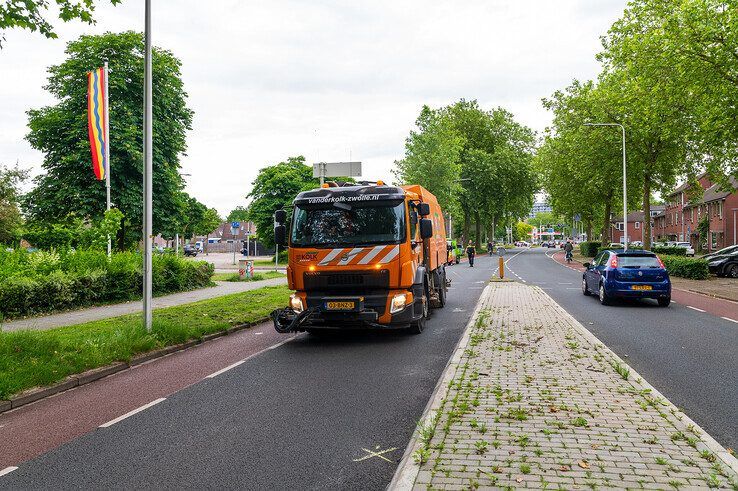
point(670, 251)
point(686, 267)
point(36, 283)
point(589, 249)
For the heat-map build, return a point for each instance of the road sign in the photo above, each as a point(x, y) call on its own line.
point(336, 169)
point(577, 217)
point(235, 224)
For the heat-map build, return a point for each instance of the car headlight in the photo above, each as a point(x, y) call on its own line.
point(296, 303)
point(399, 302)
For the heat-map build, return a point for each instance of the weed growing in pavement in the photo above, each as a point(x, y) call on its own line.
point(661, 461)
point(719, 469)
point(519, 414)
point(496, 444)
point(675, 484)
point(523, 440)
point(712, 481)
point(622, 370)
point(474, 423)
point(421, 455)
point(580, 422)
point(481, 446)
point(651, 440)
point(707, 455)
point(482, 428)
point(525, 468)
point(692, 442)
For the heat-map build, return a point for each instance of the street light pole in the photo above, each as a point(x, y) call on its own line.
point(625, 183)
point(147, 174)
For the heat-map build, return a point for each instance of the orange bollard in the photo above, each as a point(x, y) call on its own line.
point(502, 268)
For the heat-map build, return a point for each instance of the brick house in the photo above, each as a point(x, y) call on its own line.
point(681, 218)
point(635, 225)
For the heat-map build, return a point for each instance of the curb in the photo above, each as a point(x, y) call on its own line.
point(640, 382)
point(407, 470)
point(72, 381)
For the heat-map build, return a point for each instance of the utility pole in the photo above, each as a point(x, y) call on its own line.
point(107, 148)
point(148, 170)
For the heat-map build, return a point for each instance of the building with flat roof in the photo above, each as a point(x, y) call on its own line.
point(539, 207)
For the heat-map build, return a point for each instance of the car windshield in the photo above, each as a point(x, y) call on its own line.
point(326, 225)
point(727, 250)
point(638, 262)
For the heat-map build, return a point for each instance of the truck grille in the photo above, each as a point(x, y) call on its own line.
point(330, 281)
point(345, 279)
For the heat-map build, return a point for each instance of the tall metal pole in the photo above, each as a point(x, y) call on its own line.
point(625, 194)
point(107, 147)
point(148, 170)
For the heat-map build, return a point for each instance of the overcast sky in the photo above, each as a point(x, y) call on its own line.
point(327, 79)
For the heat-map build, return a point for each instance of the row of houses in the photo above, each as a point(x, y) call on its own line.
point(679, 218)
point(222, 239)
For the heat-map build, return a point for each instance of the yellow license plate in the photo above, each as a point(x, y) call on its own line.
point(641, 287)
point(340, 305)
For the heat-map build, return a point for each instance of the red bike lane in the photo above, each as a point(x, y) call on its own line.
point(719, 307)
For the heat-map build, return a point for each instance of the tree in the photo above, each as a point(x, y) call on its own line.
point(522, 231)
point(68, 189)
point(10, 217)
point(238, 214)
point(209, 222)
point(29, 14)
point(274, 188)
point(432, 156)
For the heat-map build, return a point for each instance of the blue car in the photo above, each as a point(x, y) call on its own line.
point(627, 274)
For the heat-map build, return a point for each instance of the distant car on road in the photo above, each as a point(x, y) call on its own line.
point(190, 250)
point(627, 274)
point(724, 264)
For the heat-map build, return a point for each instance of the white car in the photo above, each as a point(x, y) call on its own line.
point(685, 245)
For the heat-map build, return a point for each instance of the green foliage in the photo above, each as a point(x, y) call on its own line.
point(670, 251)
point(521, 231)
point(589, 249)
point(35, 358)
point(68, 190)
point(29, 14)
point(38, 282)
point(275, 187)
point(686, 267)
point(10, 217)
point(239, 213)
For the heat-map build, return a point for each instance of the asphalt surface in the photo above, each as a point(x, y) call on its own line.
point(689, 356)
point(333, 412)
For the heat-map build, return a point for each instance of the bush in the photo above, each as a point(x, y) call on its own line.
point(282, 256)
point(686, 267)
point(670, 251)
point(39, 282)
point(589, 249)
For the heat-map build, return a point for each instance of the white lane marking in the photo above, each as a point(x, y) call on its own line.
point(476, 288)
point(330, 257)
point(371, 255)
point(131, 413)
point(694, 308)
point(258, 333)
point(729, 319)
point(223, 370)
point(572, 288)
point(569, 283)
point(7, 470)
point(390, 255)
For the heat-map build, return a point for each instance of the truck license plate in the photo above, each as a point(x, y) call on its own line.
point(340, 305)
point(640, 287)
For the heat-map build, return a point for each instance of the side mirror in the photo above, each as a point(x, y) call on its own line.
point(587, 265)
point(413, 218)
point(280, 216)
point(426, 228)
point(280, 235)
point(423, 209)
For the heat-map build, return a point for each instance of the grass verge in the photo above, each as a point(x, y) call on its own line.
point(37, 358)
point(265, 275)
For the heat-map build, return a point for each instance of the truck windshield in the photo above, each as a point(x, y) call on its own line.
point(326, 225)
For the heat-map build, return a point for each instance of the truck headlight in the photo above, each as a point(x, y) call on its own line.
point(296, 303)
point(399, 302)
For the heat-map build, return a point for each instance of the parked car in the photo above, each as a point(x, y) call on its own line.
point(190, 250)
point(685, 245)
point(724, 264)
point(721, 252)
point(636, 243)
point(627, 274)
point(616, 245)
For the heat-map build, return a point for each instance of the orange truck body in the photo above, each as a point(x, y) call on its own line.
point(362, 283)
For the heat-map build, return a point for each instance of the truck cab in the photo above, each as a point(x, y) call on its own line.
point(362, 256)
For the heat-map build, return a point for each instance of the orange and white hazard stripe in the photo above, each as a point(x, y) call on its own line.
point(360, 255)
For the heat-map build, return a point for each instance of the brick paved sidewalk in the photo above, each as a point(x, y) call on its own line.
point(106, 311)
point(533, 399)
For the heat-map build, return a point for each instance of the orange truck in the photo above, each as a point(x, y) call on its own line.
point(362, 256)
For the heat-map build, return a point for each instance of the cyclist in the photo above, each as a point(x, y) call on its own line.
point(568, 248)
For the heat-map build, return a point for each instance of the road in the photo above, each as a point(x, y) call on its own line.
point(690, 356)
point(338, 412)
point(332, 412)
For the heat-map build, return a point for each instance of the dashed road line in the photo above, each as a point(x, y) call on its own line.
point(7, 470)
point(131, 413)
point(223, 370)
point(694, 308)
point(729, 319)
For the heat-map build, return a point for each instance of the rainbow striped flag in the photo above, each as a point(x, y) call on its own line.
point(96, 101)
